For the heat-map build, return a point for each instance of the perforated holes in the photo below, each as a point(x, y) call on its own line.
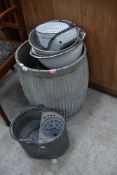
point(52, 127)
point(54, 29)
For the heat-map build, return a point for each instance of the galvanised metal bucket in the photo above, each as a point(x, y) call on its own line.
point(63, 89)
point(25, 128)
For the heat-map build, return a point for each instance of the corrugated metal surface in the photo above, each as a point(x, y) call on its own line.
point(64, 92)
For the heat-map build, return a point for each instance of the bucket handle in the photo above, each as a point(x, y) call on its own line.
point(40, 107)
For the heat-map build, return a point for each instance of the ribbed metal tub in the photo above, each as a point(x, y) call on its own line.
point(62, 89)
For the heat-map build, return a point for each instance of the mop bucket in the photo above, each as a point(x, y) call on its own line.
point(41, 133)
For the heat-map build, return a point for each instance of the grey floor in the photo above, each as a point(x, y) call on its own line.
point(92, 133)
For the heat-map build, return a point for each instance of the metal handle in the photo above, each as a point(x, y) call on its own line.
point(71, 25)
point(59, 33)
point(41, 108)
point(82, 34)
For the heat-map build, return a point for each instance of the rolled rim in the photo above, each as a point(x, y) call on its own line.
point(50, 52)
point(19, 115)
point(47, 71)
point(65, 21)
point(15, 119)
point(58, 54)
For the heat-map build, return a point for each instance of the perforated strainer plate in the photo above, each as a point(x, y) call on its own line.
point(51, 127)
point(52, 27)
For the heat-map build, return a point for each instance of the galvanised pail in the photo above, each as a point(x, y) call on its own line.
point(63, 89)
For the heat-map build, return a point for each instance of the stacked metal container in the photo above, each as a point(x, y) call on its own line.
point(53, 67)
